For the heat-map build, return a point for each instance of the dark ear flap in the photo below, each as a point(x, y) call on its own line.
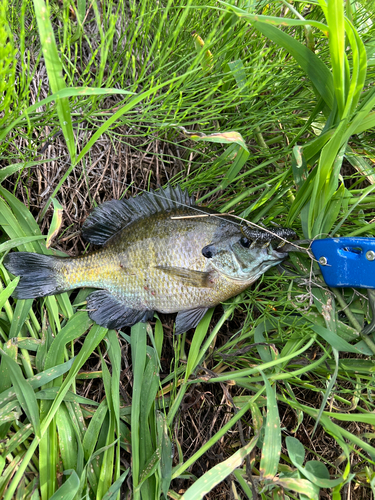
point(112, 216)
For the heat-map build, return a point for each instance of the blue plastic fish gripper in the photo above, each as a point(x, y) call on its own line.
point(346, 262)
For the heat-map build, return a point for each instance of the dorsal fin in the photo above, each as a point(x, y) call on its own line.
point(112, 216)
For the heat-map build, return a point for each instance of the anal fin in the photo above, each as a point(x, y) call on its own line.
point(189, 319)
point(189, 277)
point(110, 312)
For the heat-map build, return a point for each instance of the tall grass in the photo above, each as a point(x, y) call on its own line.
point(262, 108)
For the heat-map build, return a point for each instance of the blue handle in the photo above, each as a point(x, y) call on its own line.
point(346, 262)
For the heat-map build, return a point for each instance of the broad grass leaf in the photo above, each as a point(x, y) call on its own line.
point(19, 437)
point(21, 312)
point(296, 453)
point(7, 292)
point(238, 71)
point(239, 475)
point(313, 66)
point(166, 458)
point(92, 340)
point(302, 486)
point(250, 404)
point(337, 342)
point(10, 412)
point(92, 433)
point(73, 329)
point(55, 72)
point(199, 335)
point(28, 343)
point(70, 397)
point(138, 345)
point(69, 489)
point(25, 224)
point(16, 242)
point(107, 463)
point(67, 438)
point(149, 467)
point(242, 155)
point(38, 380)
point(366, 123)
point(114, 353)
point(159, 337)
point(24, 392)
point(271, 449)
point(313, 148)
point(359, 70)
point(273, 20)
point(214, 476)
point(333, 209)
point(229, 137)
point(113, 491)
point(5, 381)
point(16, 167)
point(56, 222)
point(299, 166)
point(335, 21)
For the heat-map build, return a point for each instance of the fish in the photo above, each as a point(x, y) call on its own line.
point(157, 253)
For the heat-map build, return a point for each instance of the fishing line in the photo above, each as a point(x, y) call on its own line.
point(202, 213)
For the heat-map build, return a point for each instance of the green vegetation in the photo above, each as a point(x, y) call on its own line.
point(273, 396)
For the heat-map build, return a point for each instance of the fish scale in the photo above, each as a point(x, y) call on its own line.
point(156, 255)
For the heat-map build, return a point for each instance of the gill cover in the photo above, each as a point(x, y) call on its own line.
point(239, 260)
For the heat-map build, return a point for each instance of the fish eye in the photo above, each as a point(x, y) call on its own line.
point(245, 242)
point(208, 251)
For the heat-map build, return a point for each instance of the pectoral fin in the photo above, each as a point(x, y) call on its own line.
point(189, 277)
point(110, 312)
point(189, 319)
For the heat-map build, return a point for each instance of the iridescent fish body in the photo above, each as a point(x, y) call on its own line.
point(154, 257)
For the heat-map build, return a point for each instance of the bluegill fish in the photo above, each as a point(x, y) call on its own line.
point(153, 257)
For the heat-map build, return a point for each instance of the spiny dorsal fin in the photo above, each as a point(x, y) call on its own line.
point(112, 216)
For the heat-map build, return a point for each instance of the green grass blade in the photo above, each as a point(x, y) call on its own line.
point(271, 449)
point(217, 474)
point(138, 344)
point(7, 292)
point(69, 489)
point(335, 19)
point(313, 66)
point(17, 242)
point(55, 72)
point(115, 488)
point(56, 96)
point(106, 126)
point(24, 392)
point(75, 327)
point(67, 438)
point(92, 434)
point(20, 314)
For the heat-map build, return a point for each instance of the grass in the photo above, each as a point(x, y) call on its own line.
point(262, 108)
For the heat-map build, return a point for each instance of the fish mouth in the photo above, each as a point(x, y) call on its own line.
point(294, 247)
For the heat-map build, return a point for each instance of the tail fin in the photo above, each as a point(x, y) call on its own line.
point(39, 274)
